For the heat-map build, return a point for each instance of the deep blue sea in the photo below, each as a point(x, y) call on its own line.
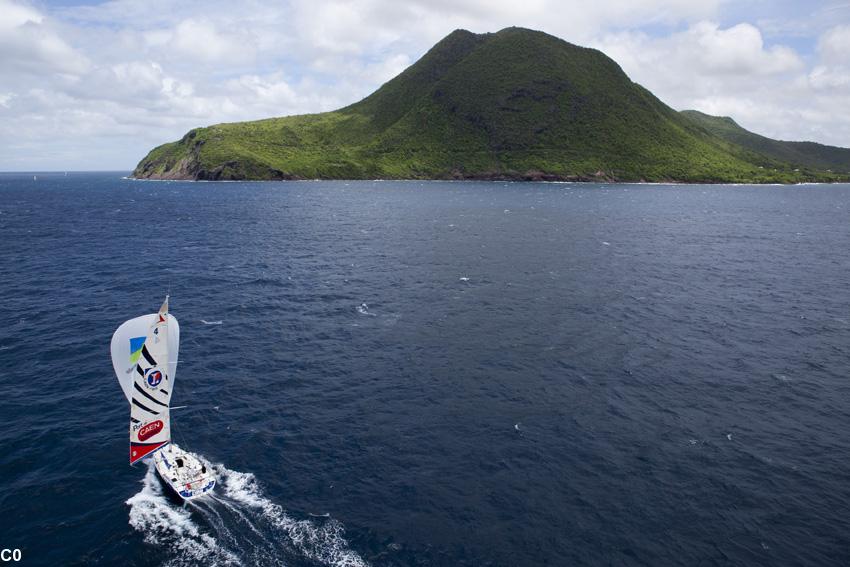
point(433, 373)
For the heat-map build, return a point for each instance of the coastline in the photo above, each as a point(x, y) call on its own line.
point(472, 179)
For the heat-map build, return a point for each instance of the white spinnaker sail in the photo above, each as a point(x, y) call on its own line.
point(144, 355)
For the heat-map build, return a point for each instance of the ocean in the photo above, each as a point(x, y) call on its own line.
point(433, 373)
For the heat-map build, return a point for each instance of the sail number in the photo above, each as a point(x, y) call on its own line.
point(10, 555)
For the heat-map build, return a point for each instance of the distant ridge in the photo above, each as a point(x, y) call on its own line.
point(800, 154)
point(516, 104)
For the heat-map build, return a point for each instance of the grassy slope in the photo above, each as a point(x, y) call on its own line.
point(517, 103)
point(798, 154)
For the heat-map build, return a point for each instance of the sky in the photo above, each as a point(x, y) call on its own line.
point(96, 85)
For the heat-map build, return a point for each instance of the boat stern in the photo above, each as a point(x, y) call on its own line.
point(183, 472)
point(195, 489)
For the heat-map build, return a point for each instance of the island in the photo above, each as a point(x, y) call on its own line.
point(517, 104)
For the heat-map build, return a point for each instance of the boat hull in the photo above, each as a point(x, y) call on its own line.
point(183, 472)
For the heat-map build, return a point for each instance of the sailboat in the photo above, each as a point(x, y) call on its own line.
point(144, 356)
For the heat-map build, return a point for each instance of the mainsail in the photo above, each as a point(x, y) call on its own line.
point(144, 355)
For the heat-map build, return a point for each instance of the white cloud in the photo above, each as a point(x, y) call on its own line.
point(16, 15)
point(267, 91)
point(831, 77)
point(823, 77)
point(834, 45)
point(704, 52)
point(769, 89)
point(736, 50)
point(202, 40)
point(31, 45)
point(99, 85)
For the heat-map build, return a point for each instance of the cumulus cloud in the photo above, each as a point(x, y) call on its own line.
point(29, 44)
point(823, 78)
point(769, 89)
point(201, 39)
point(96, 86)
point(736, 50)
point(834, 45)
point(832, 75)
point(704, 52)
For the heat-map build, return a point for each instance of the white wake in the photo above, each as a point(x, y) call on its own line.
point(237, 525)
point(171, 527)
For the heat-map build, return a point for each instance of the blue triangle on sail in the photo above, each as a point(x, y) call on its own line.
point(136, 343)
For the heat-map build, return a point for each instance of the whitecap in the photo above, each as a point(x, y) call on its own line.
point(363, 309)
point(205, 322)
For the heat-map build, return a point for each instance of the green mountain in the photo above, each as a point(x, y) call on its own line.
point(800, 154)
point(517, 104)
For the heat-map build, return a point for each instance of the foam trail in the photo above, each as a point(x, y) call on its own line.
point(236, 525)
point(219, 322)
point(242, 518)
point(170, 527)
point(323, 543)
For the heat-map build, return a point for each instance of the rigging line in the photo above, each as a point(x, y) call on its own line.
point(177, 434)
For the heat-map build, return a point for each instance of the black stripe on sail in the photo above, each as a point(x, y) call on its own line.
point(134, 420)
point(164, 391)
point(148, 356)
point(150, 411)
point(139, 370)
point(141, 390)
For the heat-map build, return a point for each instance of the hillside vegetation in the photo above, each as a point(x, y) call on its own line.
point(798, 154)
point(517, 104)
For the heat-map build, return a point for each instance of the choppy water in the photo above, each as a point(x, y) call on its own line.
point(434, 373)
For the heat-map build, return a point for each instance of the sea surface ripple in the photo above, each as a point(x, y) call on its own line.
point(433, 373)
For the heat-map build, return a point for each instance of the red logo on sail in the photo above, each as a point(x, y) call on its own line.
point(153, 376)
point(150, 429)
